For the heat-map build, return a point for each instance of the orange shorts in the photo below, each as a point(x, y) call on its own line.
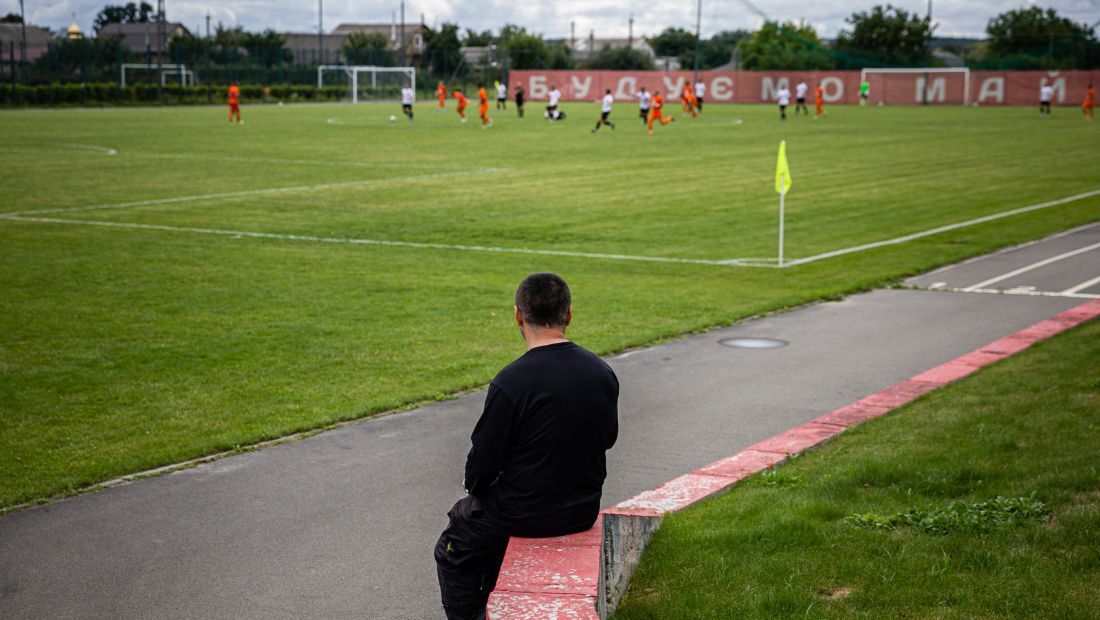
point(483, 109)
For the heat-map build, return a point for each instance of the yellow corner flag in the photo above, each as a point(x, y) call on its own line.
point(782, 170)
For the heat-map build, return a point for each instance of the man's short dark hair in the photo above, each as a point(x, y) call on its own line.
point(543, 299)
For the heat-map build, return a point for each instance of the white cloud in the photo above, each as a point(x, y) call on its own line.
point(606, 17)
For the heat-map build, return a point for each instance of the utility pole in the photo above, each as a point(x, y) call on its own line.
point(208, 24)
point(23, 44)
point(573, 36)
point(630, 35)
point(403, 59)
point(162, 40)
point(321, 32)
point(698, 24)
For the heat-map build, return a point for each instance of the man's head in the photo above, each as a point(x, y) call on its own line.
point(543, 301)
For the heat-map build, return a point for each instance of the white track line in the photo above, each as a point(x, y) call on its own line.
point(1082, 286)
point(355, 241)
point(941, 229)
point(257, 192)
point(997, 291)
point(1036, 265)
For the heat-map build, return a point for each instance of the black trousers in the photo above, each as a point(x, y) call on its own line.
point(468, 556)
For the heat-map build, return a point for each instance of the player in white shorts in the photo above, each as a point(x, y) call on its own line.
point(407, 98)
point(502, 96)
point(605, 111)
point(800, 98)
point(1046, 93)
point(784, 99)
point(552, 105)
point(644, 101)
point(700, 92)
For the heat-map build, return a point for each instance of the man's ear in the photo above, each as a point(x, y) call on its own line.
point(519, 316)
point(569, 315)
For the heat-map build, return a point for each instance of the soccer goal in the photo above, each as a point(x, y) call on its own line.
point(186, 76)
point(366, 83)
point(934, 85)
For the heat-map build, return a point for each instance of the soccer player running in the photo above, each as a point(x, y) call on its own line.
point(864, 92)
point(800, 98)
point(688, 101)
point(700, 93)
point(483, 107)
point(407, 98)
point(552, 104)
point(655, 112)
point(784, 98)
point(605, 111)
point(235, 102)
point(521, 96)
point(502, 96)
point(1090, 102)
point(644, 101)
point(1045, 94)
point(461, 107)
point(819, 102)
point(441, 92)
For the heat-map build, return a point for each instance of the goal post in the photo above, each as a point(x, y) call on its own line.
point(919, 86)
point(186, 76)
point(368, 82)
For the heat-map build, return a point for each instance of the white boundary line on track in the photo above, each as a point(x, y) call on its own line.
point(941, 229)
point(1029, 293)
point(357, 241)
point(1043, 263)
point(255, 192)
point(1082, 286)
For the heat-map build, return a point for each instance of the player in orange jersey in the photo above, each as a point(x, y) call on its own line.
point(483, 107)
point(656, 113)
point(688, 100)
point(819, 101)
point(1090, 101)
point(441, 92)
point(235, 102)
point(461, 107)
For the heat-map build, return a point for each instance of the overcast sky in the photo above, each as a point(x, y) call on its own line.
point(608, 18)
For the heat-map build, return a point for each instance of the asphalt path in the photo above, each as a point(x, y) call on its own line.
point(342, 524)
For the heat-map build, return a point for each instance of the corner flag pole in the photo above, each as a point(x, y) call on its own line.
point(782, 185)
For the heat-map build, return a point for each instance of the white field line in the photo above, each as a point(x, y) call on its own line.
point(305, 162)
point(1030, 293)
point(1082, 286)
point(936, 231)
point(1036, 265)
point(358, 241)
point(63, 147)
point(257, 192)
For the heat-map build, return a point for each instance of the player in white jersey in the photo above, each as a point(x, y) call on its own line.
point(644, 101)
point(800, 98)
point(407, 98)
point(502, 96)
point(700, 92)
point(605, 111)
point(552, 104)
point(783, 96)
point(1046, 93)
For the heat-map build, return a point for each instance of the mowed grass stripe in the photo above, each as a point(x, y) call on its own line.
point(128, 349)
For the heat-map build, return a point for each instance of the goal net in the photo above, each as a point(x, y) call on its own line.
point(365, 83)
point(935, 85)
point(148, 72)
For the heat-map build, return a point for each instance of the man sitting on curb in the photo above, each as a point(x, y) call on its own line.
point(537, 464)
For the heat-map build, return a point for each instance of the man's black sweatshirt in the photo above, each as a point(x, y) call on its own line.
point(537, 462)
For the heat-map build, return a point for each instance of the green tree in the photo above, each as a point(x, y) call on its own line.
point(88, 60)
point(368, 48)
point(717, 50)
point(1036, 39)
point(673, 42)
point(128, 13)
point(784, 46)
point(620, 59)
point(530, 51)
point(267, 48)
point(887, 36)
point(472, 38)
point(11, 18)
point(443, 55)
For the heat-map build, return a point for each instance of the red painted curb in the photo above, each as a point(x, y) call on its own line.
point(560, 577)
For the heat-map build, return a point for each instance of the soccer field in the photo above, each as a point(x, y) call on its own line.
point(173, 286)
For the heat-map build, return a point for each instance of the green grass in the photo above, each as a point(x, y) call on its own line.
point(981, 500)
point(125, 349)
